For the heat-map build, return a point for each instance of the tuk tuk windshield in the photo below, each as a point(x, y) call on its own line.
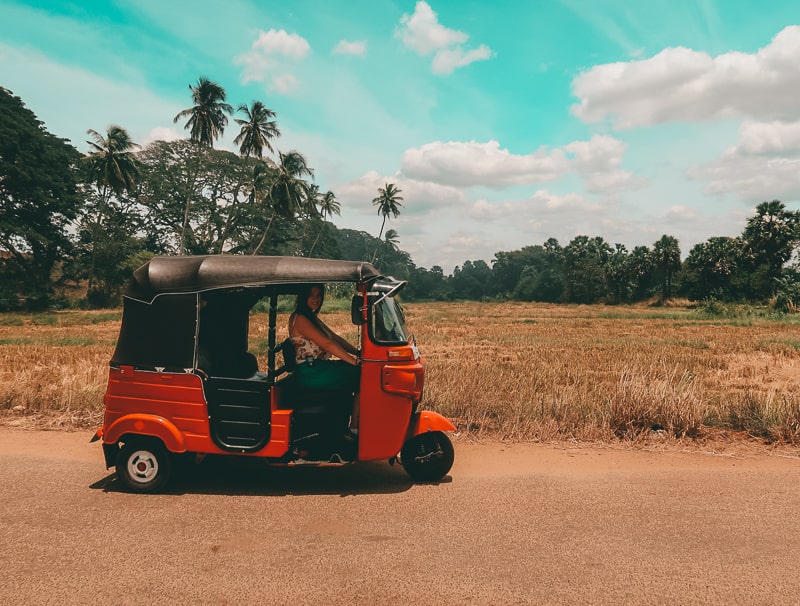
point(388, 322)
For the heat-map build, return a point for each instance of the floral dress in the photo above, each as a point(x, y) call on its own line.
point(306, 349)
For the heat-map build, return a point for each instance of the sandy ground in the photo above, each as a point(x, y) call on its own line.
point(511, 524)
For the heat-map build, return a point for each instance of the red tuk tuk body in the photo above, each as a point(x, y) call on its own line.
point(182, 314)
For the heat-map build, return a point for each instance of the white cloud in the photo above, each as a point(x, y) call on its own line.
point(483, 210)
point(280, 42)
point(764, 165)
point(680, 84)
point(769, 137)
point(680, 214)
point(464, 245)
point(422, 33)
point(419, 197)
point(345, 47)
point(542, 203)
point(544, 200)
point(751, 177)
point(285, 83)
point(461, 164)
point(473, 163)
point(598, 162)
point(271, 55)
point(161, 133)
point(447, 60)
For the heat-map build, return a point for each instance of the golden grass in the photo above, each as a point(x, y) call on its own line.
point(504, 370)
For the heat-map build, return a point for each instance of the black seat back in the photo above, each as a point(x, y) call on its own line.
point(286, 347)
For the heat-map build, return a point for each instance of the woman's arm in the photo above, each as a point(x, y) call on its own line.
point(343, 343)
point(304, 327)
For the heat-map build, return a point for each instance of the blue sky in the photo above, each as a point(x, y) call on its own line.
point(503, 123)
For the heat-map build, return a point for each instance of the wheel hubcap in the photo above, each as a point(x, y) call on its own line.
point(142, 466)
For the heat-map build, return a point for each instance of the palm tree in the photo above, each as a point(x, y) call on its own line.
point(112, 164)
point(113, 168)
point(256, 131)
point(770, 238)
point(254, 135)
point(207, 122)
point(390, 241)
point(667, 259)
point(328, 206)
point(388, 203)
point(287, 191)
point(391, 238)
point(207, 119)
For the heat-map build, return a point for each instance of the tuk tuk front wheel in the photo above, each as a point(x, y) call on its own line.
point(143, 465)
point(428, 457)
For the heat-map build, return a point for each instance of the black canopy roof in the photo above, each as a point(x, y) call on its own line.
point(199, 273)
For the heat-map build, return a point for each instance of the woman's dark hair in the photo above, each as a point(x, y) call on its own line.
point(301, 305)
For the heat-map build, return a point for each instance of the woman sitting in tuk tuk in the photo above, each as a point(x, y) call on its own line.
point(314, 343)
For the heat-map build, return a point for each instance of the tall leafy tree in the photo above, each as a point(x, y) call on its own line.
point(392, 239)
point(617, 275)
point(388, 202)
point(256, 131)
point(473, 280)
point(39, 198)
point(206, 118)
point(287, 190)
point(667, 260)
point(328, 206)
point(206, 123)
point(112, 167)
point(585, 261)
point(177, 171)
point(769, 240)
point(639, 264)
point(711, 267)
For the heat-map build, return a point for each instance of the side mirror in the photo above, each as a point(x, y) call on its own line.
point(355, 310)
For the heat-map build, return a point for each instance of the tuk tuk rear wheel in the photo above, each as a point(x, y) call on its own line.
point(143, 465)
point(428, 457)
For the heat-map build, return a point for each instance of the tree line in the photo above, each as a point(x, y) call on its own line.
point(70, 220)
point(754, 267)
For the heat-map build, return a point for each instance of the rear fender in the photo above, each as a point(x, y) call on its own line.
point(146, 425)
point(426, 421)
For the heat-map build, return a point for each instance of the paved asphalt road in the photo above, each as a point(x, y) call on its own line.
point(518, 524)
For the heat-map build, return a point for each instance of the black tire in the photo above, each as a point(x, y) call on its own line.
point(428, 457)
point(144, 465)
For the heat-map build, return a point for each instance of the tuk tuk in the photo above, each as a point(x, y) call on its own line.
point(183, 383)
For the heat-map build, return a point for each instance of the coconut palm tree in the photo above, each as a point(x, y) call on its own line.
point(667, 259)
point(113, 168)
point(112, 163)
point(257, 130)
point(287, 191)
point(389, 244)
point(388, 203)
point(328, 206)
point(392, 238)
point(207, 119)
point(207, 122)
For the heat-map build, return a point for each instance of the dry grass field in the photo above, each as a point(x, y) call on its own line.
point(511, 371)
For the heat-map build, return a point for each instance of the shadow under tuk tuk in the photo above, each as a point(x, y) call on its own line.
point(244, 476)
